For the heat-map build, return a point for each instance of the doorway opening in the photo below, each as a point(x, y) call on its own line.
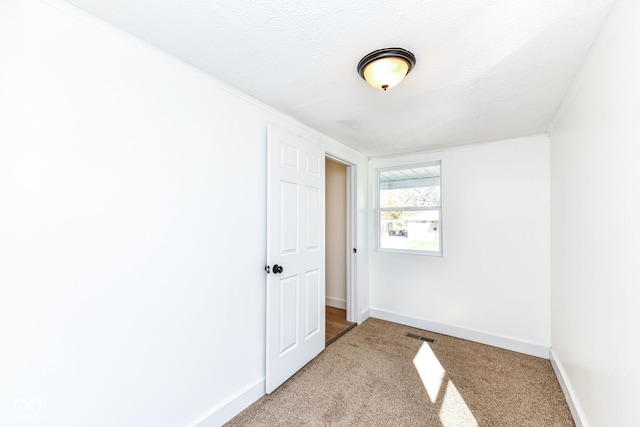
point(340, 249)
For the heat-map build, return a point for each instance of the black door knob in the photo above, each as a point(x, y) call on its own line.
point(277, 269)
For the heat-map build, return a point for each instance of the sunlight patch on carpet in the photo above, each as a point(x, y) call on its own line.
point(430, 370)
point(454, 411)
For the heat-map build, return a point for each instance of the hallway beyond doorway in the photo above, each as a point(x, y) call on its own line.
point(336, 324)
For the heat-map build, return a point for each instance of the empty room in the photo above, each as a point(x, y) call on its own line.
point(319, 213)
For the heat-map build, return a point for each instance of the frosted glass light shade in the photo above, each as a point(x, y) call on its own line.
point(385, 73)
point(385, 68)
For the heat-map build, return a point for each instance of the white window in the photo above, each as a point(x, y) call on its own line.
point(409, 209)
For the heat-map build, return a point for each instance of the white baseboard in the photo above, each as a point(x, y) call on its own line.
point(467, 334)
point(335, 302)
point(364, 315)
point(232, 406)
point(561, 374)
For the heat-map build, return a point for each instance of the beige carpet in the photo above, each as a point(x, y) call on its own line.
point(376, 376)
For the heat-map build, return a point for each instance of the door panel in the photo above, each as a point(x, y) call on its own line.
point(288, 313)
point(295, 242)
point(313, 314)
point(313, 227)
point(288, 218)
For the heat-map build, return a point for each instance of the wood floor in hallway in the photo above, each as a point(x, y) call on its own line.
point(336, 324)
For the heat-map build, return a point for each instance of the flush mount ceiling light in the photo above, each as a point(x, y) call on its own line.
point(385, 68)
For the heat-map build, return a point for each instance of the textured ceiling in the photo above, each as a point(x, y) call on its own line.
point(486, 69)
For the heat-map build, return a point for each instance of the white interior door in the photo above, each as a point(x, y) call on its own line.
point(295, 255)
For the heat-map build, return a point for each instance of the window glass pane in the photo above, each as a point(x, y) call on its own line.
point(410, 230)
point(415, 187)
point(410, 197)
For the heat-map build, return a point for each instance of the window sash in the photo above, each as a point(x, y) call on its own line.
point(412, 209)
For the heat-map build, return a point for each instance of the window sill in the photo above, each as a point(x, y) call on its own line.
point(411, 252)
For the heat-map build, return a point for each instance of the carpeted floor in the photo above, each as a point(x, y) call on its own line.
point(376, 376)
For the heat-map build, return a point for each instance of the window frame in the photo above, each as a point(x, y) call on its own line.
point(379, 210)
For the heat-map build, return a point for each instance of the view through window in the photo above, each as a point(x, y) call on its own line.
point(409, 209)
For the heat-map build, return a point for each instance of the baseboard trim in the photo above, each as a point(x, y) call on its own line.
point(567, 390)
point(232, 406)
point(364, 315)
point(335, 302)
point(467, 334)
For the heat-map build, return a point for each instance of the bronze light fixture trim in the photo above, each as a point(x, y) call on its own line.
point(385, 68)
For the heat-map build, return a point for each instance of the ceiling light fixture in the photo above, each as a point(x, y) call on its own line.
point(385, 68)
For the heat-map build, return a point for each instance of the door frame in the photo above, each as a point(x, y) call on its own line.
point(351, 237)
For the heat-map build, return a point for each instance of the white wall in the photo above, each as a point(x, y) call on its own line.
point(336, 234)
point(595, 224)
point(132, 229)
point(492, 284)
